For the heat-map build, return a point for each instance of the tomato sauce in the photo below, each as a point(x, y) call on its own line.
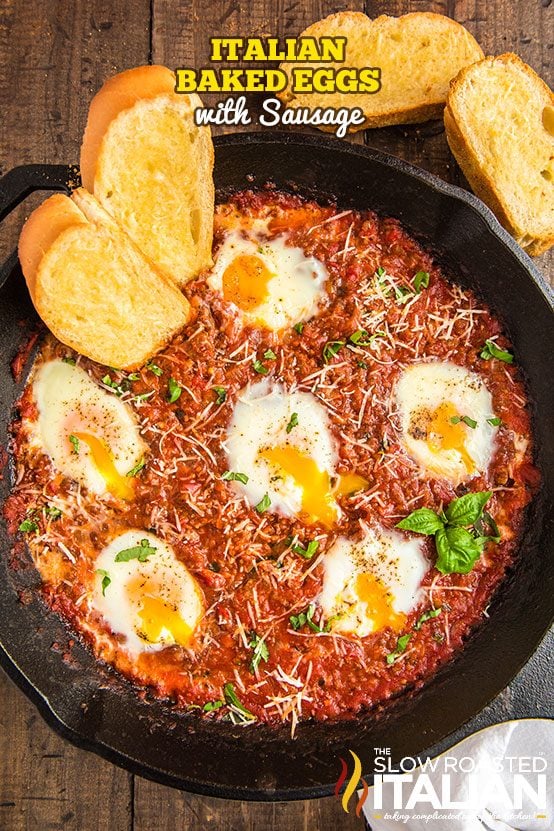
point(251, 580)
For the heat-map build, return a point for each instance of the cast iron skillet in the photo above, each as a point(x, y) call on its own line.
point(97, 711)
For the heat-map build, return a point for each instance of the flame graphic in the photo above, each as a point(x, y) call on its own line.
point(353, 783)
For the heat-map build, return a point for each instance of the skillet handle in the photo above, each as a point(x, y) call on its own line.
point(18, 183)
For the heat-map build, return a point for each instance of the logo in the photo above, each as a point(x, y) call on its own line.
point(353, 783)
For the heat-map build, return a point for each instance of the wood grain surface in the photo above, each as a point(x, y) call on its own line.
point(54, 54)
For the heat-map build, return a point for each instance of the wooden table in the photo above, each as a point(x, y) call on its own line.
point(55, 54)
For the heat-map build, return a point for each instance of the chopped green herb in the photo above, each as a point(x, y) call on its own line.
point(362, 338)
point(380, 271)
point(67, 360)
point(429, 615)
point(74, 444)
point(299, 328)
point(494, 422)
point(421, 281)
point(403, 294)
point(174, 391)
point(117, 388)
point(401, 645)
point(53, 512)
point(331, 348)
point(307, 552)
point(458, 548)
point(143, 396)
point(210, 706)
point(293, 422)
point(28, 525)
point(263, 504)
point(138, 552)
point(106, 579)
point(362, 364)
point(261, 652)
point(221, 394)
point(155, 369)
point(466, 420)
point(270, 355)
point(297, 621)
point(137, 468)
point(134, 376)
point(230, 476)
point(491, 350)
point(260, 368)
point(239, 710)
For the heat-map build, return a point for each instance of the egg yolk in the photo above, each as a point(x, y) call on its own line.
point(245, 282)
point(371, 591)
point(442, 434)
point(317, 498)
point(317, 494)
point(350, 483)
point(158, 618)
point(118, 485)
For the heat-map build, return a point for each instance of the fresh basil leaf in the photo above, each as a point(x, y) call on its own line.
point(174, 391)
point(137, 552)
point(331, 348)
point(422, 521)
point(429, 615)
point(491, 350)
point(421, 281)
point(263, 504)
point(467, 509)
point(231, 476)
point(457, 551)
point(293, 422)
point(221, 394)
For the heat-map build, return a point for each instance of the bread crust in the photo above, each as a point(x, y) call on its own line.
point(55, 224)
point(481, 181)
point(335, 23)
point(40, 230)
point(118, 93)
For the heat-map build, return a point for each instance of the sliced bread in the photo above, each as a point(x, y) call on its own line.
point(151, 167)
point(93, 287)
point(499, 121)
point(418, 55)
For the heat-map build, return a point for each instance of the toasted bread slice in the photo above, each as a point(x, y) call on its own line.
point(93, 287)
point(418, 55)
point(499, 121)
point(151, 167)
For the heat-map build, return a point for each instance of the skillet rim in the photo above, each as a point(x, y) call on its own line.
point(46, 708)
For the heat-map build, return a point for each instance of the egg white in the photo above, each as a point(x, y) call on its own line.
point(70, 402)
point(297, 282)
point(398, 563)
point(162, 577)
point(424, 388)
point(259, 423)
